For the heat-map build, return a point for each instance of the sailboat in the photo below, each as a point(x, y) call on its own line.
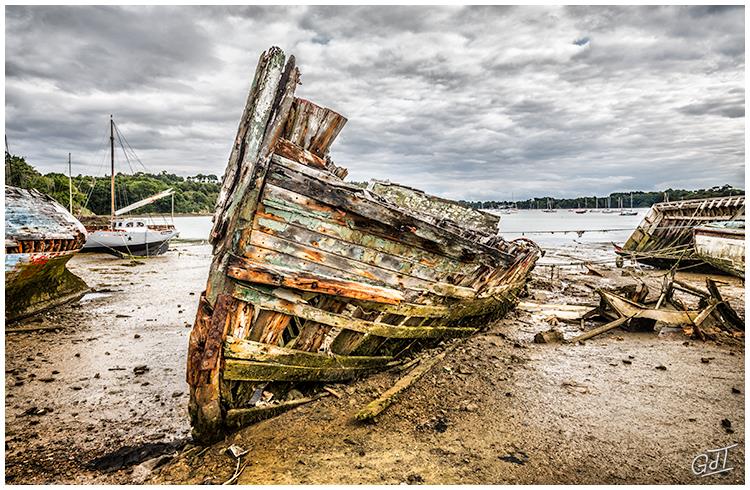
point(129, 236)
point(609, 209)
point(596, 206)
point(631, 212)
point(549, 208)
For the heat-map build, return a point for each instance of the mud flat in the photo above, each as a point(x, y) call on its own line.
point(624, 407)
point(82, 392)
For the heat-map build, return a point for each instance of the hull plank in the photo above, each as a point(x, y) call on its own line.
point(317, 280)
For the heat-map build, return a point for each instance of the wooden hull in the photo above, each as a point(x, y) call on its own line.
point(665, 235)
point(316, 280)
point(40, 238)
point(722, 248)
point(35, 282)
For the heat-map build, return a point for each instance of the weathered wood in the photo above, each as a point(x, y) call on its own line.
point(266, 248)
point(296, 153)
point(301, 310)
point(250, 135)
point(40, 328)
point(288, 207)
point(297, 258)
point(256, 351)
point(313, 127)
point(565, 312)
point(665, 235)
point(726, 311)
point(239, 370)
point(600, 330)
point(309, 181)
point(313, 239)
point(250, 271)
point(241, 417)
point(376, 407)
point(630, 309)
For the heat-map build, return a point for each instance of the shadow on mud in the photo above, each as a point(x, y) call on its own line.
point(132, 455)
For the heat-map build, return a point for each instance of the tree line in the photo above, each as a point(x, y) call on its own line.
point(641, 199)
point(91, 195)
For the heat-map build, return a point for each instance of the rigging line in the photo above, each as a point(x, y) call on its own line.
point(131, 149)
point(125, 153)
point(101, 148)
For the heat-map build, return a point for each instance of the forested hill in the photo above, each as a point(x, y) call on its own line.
point(195, 195)
point(641, 199)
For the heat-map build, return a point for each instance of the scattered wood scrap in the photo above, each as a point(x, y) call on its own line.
point(629, 306)
point(560, 311)
point(376, 407)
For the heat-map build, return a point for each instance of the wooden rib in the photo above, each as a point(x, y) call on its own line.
point(241, 417)
point(302, 310)
point(254, 351)
point(247, 270)
point(274, 328)
point(237, 370)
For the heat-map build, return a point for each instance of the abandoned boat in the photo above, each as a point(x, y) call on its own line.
point(317, 280)
point(132, 236)
point(665, 235)
point(722, 244)
point(41, 236)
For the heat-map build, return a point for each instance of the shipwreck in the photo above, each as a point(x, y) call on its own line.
point(317, 280)
point(666, 234)
point(40, 238)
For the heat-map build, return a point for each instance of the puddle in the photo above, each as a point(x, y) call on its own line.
point(92, 296)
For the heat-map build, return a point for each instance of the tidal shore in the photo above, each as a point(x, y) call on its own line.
point(103, 389)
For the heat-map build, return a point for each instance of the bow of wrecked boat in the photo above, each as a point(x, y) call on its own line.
point(40, 238)
point(315, 279)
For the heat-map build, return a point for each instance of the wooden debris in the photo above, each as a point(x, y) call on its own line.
point(33, 329)
point(332, 391)
point(563, 312)
point(376, 407)
point(599, 330)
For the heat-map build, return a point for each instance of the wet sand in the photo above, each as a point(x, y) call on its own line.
point(498, 409)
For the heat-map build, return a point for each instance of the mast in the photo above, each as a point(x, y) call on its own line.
point(70, 185)
point(112, 161)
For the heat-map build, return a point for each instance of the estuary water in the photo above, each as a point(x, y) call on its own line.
point(549, 230)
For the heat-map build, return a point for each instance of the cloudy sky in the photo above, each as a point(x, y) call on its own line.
point(475, 103)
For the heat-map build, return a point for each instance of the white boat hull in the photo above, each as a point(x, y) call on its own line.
point(139, 241)
point(724, 249)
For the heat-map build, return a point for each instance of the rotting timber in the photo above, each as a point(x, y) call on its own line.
point(316, 280)
point(40, 238)
point(665, 235)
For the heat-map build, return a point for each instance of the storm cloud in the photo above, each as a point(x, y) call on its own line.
point(465, 102)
